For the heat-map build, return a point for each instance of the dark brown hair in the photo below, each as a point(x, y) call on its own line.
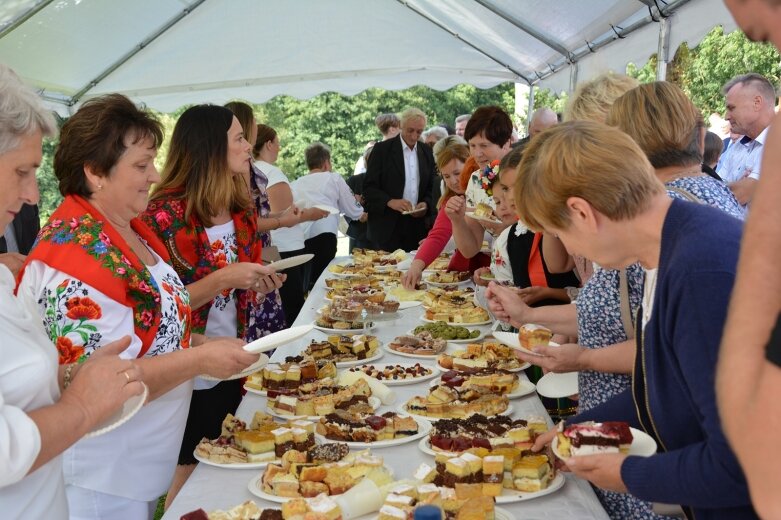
point(265, 134)
point(97, 136)
point(713, 147)
point(491, 121)
point(197, 164)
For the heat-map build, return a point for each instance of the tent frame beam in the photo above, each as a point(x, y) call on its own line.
point(135, 50)
point(528, 29)
point(617, 33)
point(431, 20)
point(19, 20)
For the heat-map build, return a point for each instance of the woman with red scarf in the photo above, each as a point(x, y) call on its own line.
point(100, 274)
point(203, 213)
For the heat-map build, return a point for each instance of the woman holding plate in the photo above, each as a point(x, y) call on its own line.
point(593, 187)
point(98, 274)
point(203, 213)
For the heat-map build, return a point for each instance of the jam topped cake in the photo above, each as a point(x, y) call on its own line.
point(592, 437)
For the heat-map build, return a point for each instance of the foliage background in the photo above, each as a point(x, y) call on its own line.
point(346, 123)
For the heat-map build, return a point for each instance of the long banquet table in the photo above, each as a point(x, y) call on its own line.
point(212, 488)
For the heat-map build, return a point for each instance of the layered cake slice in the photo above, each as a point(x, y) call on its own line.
point(591, 437)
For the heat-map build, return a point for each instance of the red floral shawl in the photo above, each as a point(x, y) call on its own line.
point(191, 252)
point(78, 240)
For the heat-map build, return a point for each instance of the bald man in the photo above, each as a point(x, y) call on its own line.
point(542, 119)
point(751, 101)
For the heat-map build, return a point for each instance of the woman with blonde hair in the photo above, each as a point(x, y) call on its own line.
point(592, 99)
point(593, 187)
point(203, 212)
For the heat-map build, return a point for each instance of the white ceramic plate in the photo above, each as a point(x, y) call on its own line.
point(325, 207)
point(452, 349)
point(255, 486)
point(489, 220)
point(642, 445)
point(236, 465)
point(123, 415)
point(502, 514)
point(435, 371)
point(523, 388)
point(509, 496)
point(459, 341)
point(425, 446)
point(260, 363)
point(402, 408)
point(557, 386)
point(374, 402)
point(423, 428)
point(287, 263)
point(338, 331)
point(485, 322)
point(440, 284)
point(432, 357)
point(277, 338)
point(375, 357)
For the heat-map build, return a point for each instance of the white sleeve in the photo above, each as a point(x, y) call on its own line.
point(77, 317)
point(20, 442)
point(275, 176)
point(500, 259)
point(346, 199)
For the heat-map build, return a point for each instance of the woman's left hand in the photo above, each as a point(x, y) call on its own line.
point(565, 358)
point(604, 471)
point(270, 283)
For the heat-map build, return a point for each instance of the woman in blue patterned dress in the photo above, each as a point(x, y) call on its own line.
point(670, 130)
point(268, 316)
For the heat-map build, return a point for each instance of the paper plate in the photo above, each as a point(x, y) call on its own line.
point(277, 338)
point(511, 340)
point(257, 365)
point(489, 220)
point(643, 445)
point(286, 263)
point(325, 207)
point(123, 415)
point(557, 386)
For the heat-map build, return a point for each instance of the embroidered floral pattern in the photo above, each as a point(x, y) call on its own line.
point(88, 233)
point(69, 300)
point(174, 328)
point(225, 252)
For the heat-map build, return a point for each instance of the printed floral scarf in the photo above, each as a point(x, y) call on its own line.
point(78, 241)
point(191, 252)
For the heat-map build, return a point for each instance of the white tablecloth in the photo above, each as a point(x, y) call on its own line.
point(213, 488)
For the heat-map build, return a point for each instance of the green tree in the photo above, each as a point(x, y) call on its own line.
point(48, 185)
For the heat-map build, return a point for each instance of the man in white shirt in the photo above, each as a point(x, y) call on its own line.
point(398, 187)
point(324, 188)
point(750, 109)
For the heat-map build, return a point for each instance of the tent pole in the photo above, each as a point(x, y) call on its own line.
point(573, 77)
point(13, 24)
point(530, 110)
point(663, 52)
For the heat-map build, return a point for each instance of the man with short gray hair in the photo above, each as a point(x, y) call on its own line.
point(397, 190)
point(461, 122)
point(750, 100)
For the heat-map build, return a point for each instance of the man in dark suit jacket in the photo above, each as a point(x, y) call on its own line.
point(23, 231)
point(399, 177)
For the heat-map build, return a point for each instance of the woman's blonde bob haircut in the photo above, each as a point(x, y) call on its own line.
point(592, 99)
point(592, 161)
point(197, 165)
point(663, 121)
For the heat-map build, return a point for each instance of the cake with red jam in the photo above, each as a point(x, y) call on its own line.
point(589, 438)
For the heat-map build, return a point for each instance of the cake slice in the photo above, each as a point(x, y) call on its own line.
point(531, 335)
point(590, 437)
point(531, 473)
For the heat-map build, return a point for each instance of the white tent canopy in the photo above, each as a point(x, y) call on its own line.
point(167, 53)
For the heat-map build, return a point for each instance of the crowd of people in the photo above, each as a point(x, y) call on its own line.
point(618, 225)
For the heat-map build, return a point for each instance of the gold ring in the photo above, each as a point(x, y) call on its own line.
point(126, 376)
